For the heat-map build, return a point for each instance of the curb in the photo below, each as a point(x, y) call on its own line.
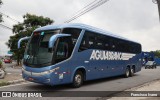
point(142, 85)
point(134, 89)
point(16, 81)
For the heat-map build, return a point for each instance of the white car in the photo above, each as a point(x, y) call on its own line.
point(150, 64)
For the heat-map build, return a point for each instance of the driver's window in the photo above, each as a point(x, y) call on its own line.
point(63, 50)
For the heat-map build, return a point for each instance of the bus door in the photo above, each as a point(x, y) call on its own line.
point(62, 49)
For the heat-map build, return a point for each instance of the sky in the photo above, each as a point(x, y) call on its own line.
point(137, 20)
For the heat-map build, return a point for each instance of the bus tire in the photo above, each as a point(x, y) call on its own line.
point(126, 75)
point(77, 79)
point(131, 72)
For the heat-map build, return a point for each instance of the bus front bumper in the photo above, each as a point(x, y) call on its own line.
point(36, 77)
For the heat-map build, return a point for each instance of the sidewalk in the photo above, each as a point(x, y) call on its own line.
point(11, 78)
point(151, 86)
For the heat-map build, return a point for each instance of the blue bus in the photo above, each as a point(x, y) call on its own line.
point(74, 53)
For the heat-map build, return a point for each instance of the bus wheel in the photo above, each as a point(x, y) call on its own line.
point(131, 72)
point(126, 75)
point(78, 79)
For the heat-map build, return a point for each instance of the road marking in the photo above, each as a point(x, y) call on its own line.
point(15, 85)
point(9, 73)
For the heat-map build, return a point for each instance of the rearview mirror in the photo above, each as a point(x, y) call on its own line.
point(22, 39)
point(53, 39)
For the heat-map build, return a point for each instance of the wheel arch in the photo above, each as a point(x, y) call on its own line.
point(81, 68)
point(134, 68)
point(128, 66)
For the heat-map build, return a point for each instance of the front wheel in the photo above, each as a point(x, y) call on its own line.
point(77, 79)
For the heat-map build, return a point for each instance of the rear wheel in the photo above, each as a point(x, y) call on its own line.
point(131, 72)
point(126, 72)
point(77, 79)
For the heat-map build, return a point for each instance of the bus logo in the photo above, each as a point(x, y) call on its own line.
point(110, 55)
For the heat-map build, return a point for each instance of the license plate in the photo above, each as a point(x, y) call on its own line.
point(31, 79)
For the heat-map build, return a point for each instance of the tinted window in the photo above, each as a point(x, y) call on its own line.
point(93, 40)
point(74, 33)
point(65, 45)
point(63, 50)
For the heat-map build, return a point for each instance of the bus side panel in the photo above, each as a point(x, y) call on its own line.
point(96, 69)
point(138, 62)
point(62, 75)
point(81, 60)
point(135, 61)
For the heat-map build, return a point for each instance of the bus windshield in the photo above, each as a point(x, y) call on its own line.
point(37, 50)
point(37, 53)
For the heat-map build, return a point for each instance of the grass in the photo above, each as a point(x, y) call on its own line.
point(4, 83)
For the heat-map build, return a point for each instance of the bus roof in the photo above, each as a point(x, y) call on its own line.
point(82, 26)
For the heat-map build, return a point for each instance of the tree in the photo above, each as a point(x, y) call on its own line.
point(0, 21)
point(1, 14)
point(0, 2)
point(156, 53)
point(31, 22)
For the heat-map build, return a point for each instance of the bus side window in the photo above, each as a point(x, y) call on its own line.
point(84, 44)
point(88, 41)
point(91, 40)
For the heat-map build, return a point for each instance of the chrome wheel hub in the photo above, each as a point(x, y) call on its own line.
point(127, 72)
point(78, 79)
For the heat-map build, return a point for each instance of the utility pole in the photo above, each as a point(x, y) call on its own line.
point(158, 3)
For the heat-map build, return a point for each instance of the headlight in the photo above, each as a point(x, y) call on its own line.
point(49, 71)
point(45, 72)
point(40, 73)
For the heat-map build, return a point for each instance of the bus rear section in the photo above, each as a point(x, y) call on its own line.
point(107, 56)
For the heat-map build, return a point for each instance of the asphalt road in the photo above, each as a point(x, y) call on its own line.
point(109, 84)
